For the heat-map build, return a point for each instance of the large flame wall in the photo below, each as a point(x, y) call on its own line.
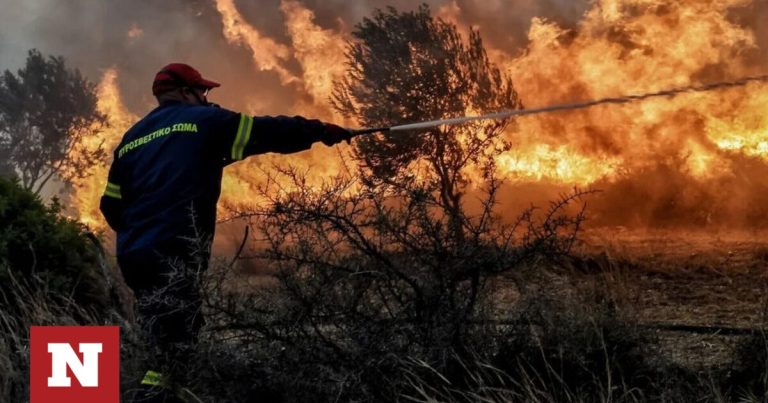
point(697, 158)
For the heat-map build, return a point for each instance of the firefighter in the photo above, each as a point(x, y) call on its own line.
point(161, 197)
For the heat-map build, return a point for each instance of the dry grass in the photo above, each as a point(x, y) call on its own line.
point(572, 338)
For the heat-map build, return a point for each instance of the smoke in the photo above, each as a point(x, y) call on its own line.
point(139, 38)
point(754, 16)
point(666, 196)
point(94, 36)
point(505, 24)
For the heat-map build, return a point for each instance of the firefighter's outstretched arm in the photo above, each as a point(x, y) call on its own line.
point(282, 134)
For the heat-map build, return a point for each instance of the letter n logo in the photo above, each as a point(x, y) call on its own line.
point(74, 364)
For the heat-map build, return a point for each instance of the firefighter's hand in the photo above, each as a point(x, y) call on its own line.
point(334, 134)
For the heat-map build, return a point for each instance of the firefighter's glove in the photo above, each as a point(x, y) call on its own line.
point(333, 134)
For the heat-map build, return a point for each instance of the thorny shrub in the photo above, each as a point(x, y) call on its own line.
point(367, 277)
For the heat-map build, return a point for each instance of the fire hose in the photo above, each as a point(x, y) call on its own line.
point(564, 107)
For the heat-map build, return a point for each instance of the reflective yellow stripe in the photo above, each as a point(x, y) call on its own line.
point(153, 378)
point(243, 135)
point(113, 195)
point(113, 191)
point(237, 138)
point(247, 136)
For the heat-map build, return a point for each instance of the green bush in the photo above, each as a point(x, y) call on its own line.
point(49, 275)
point(44, 249)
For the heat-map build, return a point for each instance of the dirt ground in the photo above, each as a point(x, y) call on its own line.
point(701, 292)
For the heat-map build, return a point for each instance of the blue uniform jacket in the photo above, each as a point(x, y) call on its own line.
point(165, 178)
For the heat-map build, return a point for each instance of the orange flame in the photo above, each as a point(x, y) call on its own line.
point(320, 54)
point(267, 54)
point(319, 51)
point(638, 46)
point(619, 47)
point(87, 192)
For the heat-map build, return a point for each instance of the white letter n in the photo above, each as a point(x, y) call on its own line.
point(63, 356)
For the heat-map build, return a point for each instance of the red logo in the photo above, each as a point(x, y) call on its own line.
point(78, 364)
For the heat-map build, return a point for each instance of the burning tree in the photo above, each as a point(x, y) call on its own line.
point(47, 111)
point(407, 67)
point(385, 264)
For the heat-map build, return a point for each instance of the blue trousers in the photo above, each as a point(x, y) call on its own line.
point(166, 282)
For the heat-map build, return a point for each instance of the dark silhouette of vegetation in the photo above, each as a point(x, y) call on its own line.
point(385, 263)
point(50, 274)
point(47, 112)
point(748, 376)
point(39, 246)
point(365, 279)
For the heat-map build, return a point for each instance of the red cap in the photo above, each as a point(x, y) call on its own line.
point(177, 75)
